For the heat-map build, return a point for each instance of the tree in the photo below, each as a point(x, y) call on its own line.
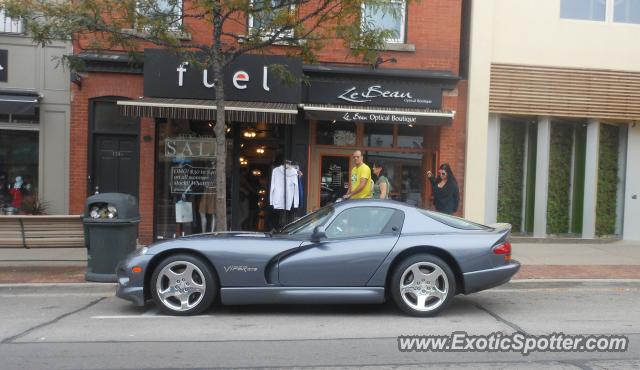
point(297, 27)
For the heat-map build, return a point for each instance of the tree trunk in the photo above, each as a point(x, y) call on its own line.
point(221, 148)
point(218, 60)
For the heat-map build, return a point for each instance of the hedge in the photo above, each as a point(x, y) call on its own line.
point(510, 178)
point(559, 178)
point(606, 203)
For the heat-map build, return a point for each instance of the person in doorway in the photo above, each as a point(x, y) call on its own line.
point(446, 194)
point(382, 186)
point(360, 179)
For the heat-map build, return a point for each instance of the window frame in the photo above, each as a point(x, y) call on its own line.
point(10, 22)
point(606, 8)
point(250, 25)
point(180, 14)
point(402, 37)
point(395, 213)
point(609, 15)
point(613, 16)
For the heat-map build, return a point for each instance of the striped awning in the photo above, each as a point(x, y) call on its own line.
point(205, 110)
point(19, 104)
point(407, 116)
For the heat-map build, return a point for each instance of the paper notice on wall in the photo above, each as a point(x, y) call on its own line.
point(193, 180)
point(184, 212)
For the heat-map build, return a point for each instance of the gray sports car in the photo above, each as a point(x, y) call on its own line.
point(357, 251)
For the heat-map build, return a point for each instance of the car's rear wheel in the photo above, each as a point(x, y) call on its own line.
point(422, 285)
point(183, 285)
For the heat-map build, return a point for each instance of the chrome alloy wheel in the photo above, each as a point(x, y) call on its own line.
point(180, 286)
point(424, 286)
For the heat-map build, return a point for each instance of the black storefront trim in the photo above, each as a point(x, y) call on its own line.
point(111, 62)
point(205, 110)
point(382, 72)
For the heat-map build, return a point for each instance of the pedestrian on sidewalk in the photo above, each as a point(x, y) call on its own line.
point(446, 195)
point(360, 179)
point(382, 186)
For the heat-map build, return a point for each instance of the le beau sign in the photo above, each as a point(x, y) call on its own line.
point(248, 78)
point(378, 92)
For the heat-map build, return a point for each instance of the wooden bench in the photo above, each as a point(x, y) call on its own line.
point(41, 232)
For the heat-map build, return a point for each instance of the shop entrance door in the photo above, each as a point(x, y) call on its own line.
point(258, 150)
point(115, 167)
point(330, 171)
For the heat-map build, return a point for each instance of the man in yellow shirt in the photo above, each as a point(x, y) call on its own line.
point(360, 179)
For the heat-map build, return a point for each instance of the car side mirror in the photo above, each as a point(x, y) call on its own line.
point(319, 233)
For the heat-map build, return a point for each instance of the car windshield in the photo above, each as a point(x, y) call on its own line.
point(457, 222)
point(306, 224)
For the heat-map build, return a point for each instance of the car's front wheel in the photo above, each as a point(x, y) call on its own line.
point(183, 285)
point(422, 285)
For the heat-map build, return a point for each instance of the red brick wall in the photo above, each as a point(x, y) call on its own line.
point(433, 27)
point(452, 138)
point(95, 85)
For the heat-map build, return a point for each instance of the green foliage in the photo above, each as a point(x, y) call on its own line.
point(302, 27)
point(297, 28)
point(559, 178)
point(606, 204)
point(510, 179)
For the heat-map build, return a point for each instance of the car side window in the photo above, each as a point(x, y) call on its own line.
point(363, 221)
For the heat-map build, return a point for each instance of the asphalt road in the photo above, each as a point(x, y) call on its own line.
point(86, 327)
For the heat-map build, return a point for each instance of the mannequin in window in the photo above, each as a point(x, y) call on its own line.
point(17, 192)
point(206, 207)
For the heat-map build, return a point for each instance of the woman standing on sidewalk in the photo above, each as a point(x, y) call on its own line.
point(446, 194)
point(382, 186)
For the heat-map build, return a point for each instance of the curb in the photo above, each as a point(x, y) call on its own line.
point(45, 285)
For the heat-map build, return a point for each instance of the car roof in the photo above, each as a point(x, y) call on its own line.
point(373, 203)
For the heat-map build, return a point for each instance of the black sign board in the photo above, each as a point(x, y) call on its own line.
point(4, 61)
point(378, 92)
point(248, 78)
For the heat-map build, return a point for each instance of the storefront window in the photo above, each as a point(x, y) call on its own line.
point(378, 135)
point(19, 172)
point(336, 133)
point(185, 171)
point(410, 137)
point(404, 171)
point(186, 177)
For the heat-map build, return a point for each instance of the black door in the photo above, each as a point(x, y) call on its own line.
point(115, 167)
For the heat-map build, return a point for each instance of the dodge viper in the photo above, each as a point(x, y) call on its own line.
point(356, 251)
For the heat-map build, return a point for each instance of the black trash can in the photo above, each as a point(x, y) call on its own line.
point(110, 230)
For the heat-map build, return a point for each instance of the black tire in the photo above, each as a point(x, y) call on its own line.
point(197, 302)
point(424, 263)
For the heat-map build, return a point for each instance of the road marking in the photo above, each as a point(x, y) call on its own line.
point(27, 294)
point(117, 317)
point(524, 281)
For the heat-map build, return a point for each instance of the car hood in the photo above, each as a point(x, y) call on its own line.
point(230, 240)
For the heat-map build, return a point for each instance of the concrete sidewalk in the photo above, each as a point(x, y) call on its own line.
point(606, 260)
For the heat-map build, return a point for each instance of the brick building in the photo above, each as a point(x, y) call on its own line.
point(145, 127)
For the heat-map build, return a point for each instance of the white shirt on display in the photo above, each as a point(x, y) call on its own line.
point(277, 192)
